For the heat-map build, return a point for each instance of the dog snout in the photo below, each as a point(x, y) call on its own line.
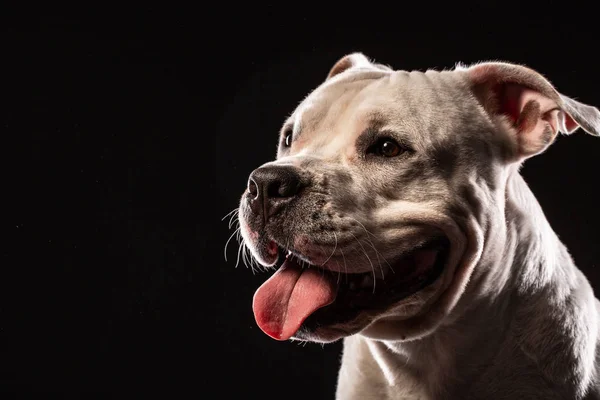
point(271, 186)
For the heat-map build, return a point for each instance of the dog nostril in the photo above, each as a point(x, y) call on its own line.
point(252, 188)
point(283, 188)
point(269, 184)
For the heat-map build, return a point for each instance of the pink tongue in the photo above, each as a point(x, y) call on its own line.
point(283, 302)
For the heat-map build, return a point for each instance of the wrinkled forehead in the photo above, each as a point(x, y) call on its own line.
point(340, 110)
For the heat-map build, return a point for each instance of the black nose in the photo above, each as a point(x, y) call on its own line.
point(272, 186)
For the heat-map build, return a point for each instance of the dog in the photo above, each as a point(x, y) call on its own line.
point(396, 220)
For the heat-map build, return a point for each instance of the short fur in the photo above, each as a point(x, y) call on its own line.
point(511, 317)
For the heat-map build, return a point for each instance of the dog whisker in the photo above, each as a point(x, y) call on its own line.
point(362, 226)
point(234, 219)
point(254, 263)
point(334, 248)
point(368, 258)
point(245, 259)
point(248, 260)
point(227, 243)
point(376, 255)
point(370, 242)
point(230, 212)
point(240, 247)
point(345, 266)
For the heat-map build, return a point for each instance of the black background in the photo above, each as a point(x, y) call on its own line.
point(129, 135)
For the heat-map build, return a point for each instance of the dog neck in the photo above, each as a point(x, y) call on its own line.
point(521, 253)
point(516, 275)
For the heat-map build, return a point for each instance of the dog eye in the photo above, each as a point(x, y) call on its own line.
point(387, 147)
point(287, 138)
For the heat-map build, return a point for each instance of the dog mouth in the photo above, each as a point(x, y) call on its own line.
point(300, 297)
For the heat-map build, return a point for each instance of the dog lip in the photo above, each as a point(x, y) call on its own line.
point(435, 243)
point(284, 252)
point(266, 251)
point(306, 261)
point(353, 302)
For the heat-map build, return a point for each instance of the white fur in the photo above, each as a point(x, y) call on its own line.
point(511, 317)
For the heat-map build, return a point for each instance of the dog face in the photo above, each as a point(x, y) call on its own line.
point(373, 212)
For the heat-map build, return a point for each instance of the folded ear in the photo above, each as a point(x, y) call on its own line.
point(347, 62)
point(529, 103)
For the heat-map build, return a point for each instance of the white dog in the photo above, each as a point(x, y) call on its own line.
point(398, 221)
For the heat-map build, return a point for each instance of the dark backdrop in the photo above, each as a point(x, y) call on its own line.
point(129, 135)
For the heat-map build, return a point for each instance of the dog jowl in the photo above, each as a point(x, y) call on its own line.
point(394, 217)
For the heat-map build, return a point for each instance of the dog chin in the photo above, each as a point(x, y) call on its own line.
point(323, 334)
point(333, 333)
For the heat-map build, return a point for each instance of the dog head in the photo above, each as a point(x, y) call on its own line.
point(384, 191)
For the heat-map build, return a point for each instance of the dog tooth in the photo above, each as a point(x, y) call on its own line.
point(352, 285)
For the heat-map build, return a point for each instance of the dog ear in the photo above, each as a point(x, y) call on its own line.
point(347, 62)
point(535, 111)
